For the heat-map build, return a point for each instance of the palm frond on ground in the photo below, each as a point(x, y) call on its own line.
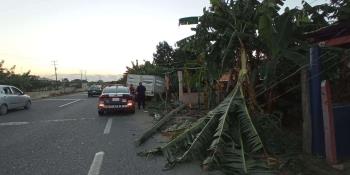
point(225, 138)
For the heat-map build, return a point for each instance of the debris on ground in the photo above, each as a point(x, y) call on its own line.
point(157, 116)
point(309, 165)
point(159, 124)
point(147, 153)
point(177, 128)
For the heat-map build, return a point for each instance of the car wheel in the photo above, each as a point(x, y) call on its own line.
point(28, 105)
point(101, 113)
point(3, 109)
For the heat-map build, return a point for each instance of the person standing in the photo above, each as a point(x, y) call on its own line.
point(132, 90)
point(141, 90)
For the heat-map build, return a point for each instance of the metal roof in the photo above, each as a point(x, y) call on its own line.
point(331, 32)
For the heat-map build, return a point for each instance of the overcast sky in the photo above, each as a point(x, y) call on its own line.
point(100, 36)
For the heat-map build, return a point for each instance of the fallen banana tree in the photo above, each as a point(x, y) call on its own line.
point(159, 124)
point(224, 139)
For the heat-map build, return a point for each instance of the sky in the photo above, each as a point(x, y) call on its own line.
point(101, 37)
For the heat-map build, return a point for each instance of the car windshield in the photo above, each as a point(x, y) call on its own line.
point(115, 89)
point(122, 89)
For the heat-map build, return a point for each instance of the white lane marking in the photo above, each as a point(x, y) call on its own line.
point(59, 120)
point(60, 99)
point(57, 99)
point(44, 121)
point(96, 164)
point(68, 103)
point(108, 126)
point(67, 120)
point(14, 123)
point(77, 95)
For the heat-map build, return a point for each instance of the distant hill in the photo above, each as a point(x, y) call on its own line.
point(94, 77)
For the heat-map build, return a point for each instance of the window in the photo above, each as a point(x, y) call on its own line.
point(122, 90)
point(94, 88)
point(7, 90)
point(16, 91)
point(114, 89)
point(110, 90)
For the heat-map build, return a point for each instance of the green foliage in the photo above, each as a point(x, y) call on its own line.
point(266, 45)
point(142, 69)
point(23, 81)
point(254, 36)
point(224, 139)
point(275, 42)
point(188, 20)
point(164, 54)
point(342, 10)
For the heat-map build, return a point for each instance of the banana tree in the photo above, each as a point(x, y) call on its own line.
point(252, 36)
point(225, 138)
point(219, 34)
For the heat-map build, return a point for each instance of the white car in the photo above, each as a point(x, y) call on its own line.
point(12, 98)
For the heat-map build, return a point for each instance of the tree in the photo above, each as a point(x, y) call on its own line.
point(263, 44)
point(23, 81)
point(226, 137)
point(342, 9)
point(147, 68)
point(164, 54)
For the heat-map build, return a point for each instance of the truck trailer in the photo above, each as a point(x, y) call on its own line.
point(154, 84)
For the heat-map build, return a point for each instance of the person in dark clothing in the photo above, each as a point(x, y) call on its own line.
point(140, 90)
point(132, 90)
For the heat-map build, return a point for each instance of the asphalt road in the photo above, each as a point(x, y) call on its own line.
point(64, 135)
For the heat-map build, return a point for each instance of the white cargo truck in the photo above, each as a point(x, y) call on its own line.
point(153, 84)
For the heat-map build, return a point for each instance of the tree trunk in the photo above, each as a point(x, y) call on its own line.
point(270, 101)
point(159, 124)
point(230, 81)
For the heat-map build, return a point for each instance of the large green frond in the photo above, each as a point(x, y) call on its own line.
point(196, 137)
point(188, 20)
point(250, 135)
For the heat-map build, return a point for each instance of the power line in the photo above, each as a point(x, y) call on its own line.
point(297, 86)
point(292, 74)
point(81, 75)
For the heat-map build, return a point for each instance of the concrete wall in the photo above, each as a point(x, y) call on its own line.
point(43, 94)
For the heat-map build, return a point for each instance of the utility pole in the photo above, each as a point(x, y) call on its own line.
point(81, 78)
point(54, 62)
